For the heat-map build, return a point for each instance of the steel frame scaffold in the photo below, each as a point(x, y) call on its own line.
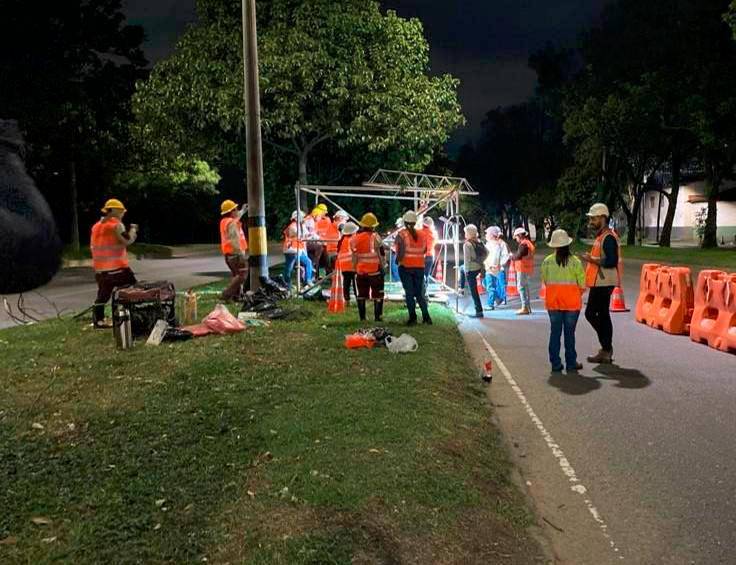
point(424, 193)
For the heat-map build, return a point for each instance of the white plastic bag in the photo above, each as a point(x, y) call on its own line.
point(402, 344)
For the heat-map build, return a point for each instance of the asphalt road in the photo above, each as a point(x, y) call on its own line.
point(634, 462)
point(74, 289)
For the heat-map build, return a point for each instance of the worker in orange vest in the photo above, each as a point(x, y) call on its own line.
point(524, 264)
point(563, 275)
point(233, 245)
point(329, 231)
point(602, 276)
point(368, 262)
point(295, 249)
point(432, 237)
point(411, 250)
point(109, 245)
point(345, 259)
point(315, 229)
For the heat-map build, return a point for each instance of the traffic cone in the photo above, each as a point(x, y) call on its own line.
point(439, 275)
point(336, 305)
point(479, 285)
point(511, 287)
point(543, 292)
point(618, 303)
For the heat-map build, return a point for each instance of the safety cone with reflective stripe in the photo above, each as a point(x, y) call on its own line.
point(336, 305)
point(618, 303)
point(511, 288)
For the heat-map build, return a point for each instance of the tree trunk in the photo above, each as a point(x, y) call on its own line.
point(74, 207)
point(665, 237)
point(638, 199)
point(303, 178)
point(710, 234)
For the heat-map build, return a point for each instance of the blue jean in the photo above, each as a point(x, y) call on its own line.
point(413, 282)
point(524, 280)
point(395, 276)
point(496, 288)
point(428, 264)
point(290, 262)
point(563, 321)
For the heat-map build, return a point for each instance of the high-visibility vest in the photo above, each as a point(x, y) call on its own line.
point(322, 226)
point(365, 248)
point(345, 255)
point(108, 252)
point(564, 285)
point(332, 235)
point(595, 275)
point(526, 263)
point(431, 236)
point(226, 246)
point(292, 244)
point(414, 251)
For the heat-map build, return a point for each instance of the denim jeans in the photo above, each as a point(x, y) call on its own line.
point(395, 276)
point(472, 281)
point(413, 283)
point(496, 288)
point(524, 291)
point(563, 322)
point(428, 264)
point(290, 262)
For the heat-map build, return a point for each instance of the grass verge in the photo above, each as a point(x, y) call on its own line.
point(272, 446)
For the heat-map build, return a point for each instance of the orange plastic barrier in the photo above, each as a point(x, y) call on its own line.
point(714, 318)
point(666, 299)
point(647, 294)
point(512, 288)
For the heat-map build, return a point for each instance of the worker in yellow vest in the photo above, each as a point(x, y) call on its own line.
point(602, 276)
point(524, 264)
point(411, 250)
point(109, 245)
point(368, 263)
point(233, 245)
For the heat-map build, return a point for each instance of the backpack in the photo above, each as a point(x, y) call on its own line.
point(481, 252)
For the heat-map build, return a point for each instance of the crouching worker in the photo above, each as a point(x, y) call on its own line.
point(368, 258)
point(233, 246)
point(564, 277)
point(109, 245)
point(345, 259)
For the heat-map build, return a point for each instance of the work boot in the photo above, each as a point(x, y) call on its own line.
point(378, 310)
point(412, 321)
point(361, 310)
point(523, 312)
point(427, 320)
point(478, 315)
point(576, 368)
point(602, 358)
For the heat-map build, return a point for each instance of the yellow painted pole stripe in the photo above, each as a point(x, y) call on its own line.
point(257, 241)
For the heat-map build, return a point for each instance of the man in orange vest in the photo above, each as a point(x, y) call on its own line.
point(295, 249)
point(524, 264)
point(109, 245)
point(602, 275)
point(233, 245)
point(368, 263)
point(411, 250)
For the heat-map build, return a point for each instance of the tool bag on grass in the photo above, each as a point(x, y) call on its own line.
point(147, 302)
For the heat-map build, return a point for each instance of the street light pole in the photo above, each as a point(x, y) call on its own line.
point(257, 239)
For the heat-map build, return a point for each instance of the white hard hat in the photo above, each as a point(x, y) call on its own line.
point(560, 238)
point(410, 217)
point(399, 222)
point(297, 213)
point(342, 214)
point(348, 228)
point(429, 222)
point(495, 231)
point(471, 230)
point(599, 209)
point(520, 231)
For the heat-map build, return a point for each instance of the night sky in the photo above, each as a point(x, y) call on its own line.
point(484, 43)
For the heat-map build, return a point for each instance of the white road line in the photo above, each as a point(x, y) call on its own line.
point(565, 465)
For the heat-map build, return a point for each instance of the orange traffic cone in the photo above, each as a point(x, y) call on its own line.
point(511, 287)
point(479, 285)
point(618, 303)
point(543, 292)
point(336, 305)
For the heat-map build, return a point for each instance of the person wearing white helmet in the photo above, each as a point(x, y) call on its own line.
point(411, 248)
point(563, 275)
point(474, 254)
point(524, 264)
point(295, 249)
point(345, 259)
point(495, 265)
point(602, 276)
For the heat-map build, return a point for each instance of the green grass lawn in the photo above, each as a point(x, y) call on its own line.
point(276, 445)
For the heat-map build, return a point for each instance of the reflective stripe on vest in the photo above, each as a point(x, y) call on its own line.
point(596, 275)
point(414, 251)
point(226, 245)
point(526, 263)
point(345, 255)
point(108, 253)
point(363, 246)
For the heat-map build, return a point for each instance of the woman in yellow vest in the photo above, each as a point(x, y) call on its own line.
point(233, 246)
point(411, 250)
point(564, 277)
point(368, 259)
point(109, 245)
